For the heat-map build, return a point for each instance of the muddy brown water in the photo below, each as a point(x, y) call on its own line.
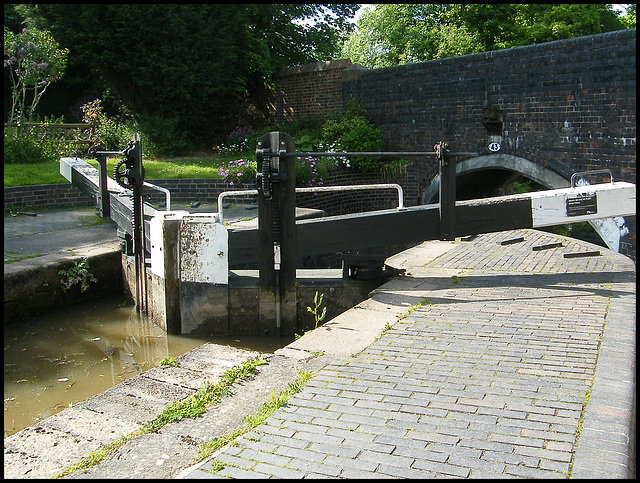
point(68, 355)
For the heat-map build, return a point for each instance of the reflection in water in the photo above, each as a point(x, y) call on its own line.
point(68, 355)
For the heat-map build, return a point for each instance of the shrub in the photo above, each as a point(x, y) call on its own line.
point(352, 131)
point(237, 172)
point(36, 146)
point(160, 135)
point(103, 130)
point(239, 141)
point(25, 150)
point(310, 172)
point(163, 136)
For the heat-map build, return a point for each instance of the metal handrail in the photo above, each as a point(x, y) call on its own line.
point(377, 154)
point(315, 189)
point(164, 190)
point(231, 193)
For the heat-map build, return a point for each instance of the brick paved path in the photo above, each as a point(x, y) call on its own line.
point(487, 378)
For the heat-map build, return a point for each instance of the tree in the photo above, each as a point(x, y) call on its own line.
point(293, 34)
point(393, 34)
point(629, 17)
point(397, 34)
point(34, 60)
point(513, 25)
point(184, 65)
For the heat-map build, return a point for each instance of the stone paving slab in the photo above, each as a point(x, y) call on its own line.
point(44, 449)
point(485, 360)
point(518, 363)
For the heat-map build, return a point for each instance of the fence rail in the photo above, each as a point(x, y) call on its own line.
point(71, 137)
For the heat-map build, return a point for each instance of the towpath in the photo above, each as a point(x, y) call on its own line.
point(495, 360)
point(489, 357)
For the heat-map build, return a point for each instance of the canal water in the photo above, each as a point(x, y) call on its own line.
point(68, 355)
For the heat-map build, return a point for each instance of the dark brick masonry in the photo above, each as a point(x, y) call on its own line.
point(569, 105)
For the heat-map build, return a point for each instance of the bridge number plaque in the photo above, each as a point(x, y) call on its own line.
point(582, 204)
point(494, 147)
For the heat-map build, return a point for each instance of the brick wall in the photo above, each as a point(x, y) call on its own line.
point(567, 105)
point(206, 190)
point(45, 196)
point(307, 91)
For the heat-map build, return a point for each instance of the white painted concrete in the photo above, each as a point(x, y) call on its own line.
point(156, 236)
point(204, 249)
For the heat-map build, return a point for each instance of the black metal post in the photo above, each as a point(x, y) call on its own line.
point(136, 173)
point(104, 205)
point(447, 168)
point(276, 233)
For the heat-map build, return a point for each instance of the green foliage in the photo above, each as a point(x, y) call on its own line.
point(521, 186)
point(394, 34)
point(196, 404)
point(191, 407)
point(171, 362)
point(162, 135)
point(238, 141)
point(304, 143)
point(189, 64)
point(310, 171)
point(79, 273)
point(629, 19)
point(317, 314)
point(352, 131)
point(34, 60)
point(237, 172)
point(251, 421)
point(27, 150)
point(38, 144)
point(105, 131)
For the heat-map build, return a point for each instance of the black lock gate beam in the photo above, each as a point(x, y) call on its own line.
point(447, 172)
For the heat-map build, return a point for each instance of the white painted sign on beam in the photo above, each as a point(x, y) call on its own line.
point(584, 203)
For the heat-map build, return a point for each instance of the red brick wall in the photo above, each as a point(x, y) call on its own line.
point(307, 91)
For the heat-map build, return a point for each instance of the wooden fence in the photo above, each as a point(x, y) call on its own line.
point(74, 132)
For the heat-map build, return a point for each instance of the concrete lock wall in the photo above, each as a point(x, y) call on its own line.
point(189, 273)
point(204, 273)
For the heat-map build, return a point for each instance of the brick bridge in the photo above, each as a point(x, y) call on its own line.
point(555, 109)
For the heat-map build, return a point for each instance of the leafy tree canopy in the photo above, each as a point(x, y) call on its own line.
point(396, 34)
point(190, 62)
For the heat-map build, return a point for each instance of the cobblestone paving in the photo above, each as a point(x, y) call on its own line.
point(488, 378)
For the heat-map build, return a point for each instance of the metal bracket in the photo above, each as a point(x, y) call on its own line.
point(580, 174)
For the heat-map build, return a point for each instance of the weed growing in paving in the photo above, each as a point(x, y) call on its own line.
point(318, 316)
point(79, 273)
point(191, 407)
point(266, 410)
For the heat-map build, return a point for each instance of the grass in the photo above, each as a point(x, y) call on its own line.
point(204, 166)
point(266, 410)
point(21, 257)
point(191, 407)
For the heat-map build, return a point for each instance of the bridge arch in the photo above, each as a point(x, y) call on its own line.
point(610, 230)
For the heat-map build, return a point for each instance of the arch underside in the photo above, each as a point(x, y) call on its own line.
point(610, 229)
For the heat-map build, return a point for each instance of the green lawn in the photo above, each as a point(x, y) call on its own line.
point(182, 167)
